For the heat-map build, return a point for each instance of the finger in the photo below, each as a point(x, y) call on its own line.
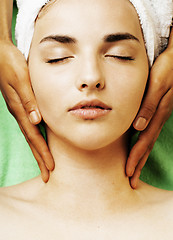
point(157, 88)
point(147, 110)
point(34, 136)
point(44, 171)
point(23, 89)
point(144, 144)
point(135, 178)
point(16, 76)
point(42, 166)
point(32, 132)
point(148, 137)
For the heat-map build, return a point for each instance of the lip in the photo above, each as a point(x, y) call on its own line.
point(89, 110)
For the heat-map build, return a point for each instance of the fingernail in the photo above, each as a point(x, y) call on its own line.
point(33, 117)
point(132, 172)
point(134, 186)
point(141, 123)
point(49, 167)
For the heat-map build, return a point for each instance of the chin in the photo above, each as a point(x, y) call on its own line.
point(88, 138)
point(90, 146)
point(92, 143)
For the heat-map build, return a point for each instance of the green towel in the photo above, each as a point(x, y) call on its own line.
point(158, 170)
point(17, 163)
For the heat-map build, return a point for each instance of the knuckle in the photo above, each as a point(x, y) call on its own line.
point(158, 82)
point(28, 105)
point(19, 76)
point(45, 152)
point(165, 109)
point(162, 88)
point(13, 79)
point(30, 136)
point(149, 109)
point(26, 102)
point(147, 143)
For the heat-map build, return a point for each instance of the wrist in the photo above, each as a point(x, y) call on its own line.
point(6, 12)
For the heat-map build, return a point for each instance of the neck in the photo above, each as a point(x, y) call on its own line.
point(89, 174)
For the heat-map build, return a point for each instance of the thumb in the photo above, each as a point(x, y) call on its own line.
point(148, 108)
point(26, 95)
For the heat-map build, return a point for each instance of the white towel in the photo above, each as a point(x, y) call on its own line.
point(155, 18)
point(27, 13)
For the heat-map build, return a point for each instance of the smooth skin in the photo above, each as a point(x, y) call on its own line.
point(16, 89)
point(88, 195)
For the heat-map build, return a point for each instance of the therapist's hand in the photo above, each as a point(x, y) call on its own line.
point(17, 92)
point(155, 110)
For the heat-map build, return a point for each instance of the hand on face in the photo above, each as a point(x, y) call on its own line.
point(155, 110)
point(16, 89)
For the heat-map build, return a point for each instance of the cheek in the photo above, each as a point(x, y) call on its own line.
point(54, 93)
point(45, 91)
point(50, 87)
point(127, 90)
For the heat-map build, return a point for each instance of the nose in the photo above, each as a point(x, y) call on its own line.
point(91, 75)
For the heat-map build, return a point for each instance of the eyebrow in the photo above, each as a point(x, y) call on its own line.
point(119, 37)
point(108, 38)
point(58, 38)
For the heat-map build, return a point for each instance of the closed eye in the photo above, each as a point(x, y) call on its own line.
point(58, 60)
point(123, 58)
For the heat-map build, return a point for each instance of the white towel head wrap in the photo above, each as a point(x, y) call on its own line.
point(155, 17)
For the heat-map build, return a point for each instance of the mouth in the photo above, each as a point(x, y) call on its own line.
point(90, 110)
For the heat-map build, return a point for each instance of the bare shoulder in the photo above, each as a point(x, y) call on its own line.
point(19, 209)
point(12, 197)
point(159, 200)
point(20, 188)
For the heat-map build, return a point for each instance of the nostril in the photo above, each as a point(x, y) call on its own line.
point(98, 85)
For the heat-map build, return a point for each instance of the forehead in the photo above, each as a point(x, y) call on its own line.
point(85, 17)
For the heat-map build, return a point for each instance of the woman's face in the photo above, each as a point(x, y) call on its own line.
point(88, 68)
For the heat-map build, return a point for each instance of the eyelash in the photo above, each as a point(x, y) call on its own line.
point(123, 58)
point(56, 60)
